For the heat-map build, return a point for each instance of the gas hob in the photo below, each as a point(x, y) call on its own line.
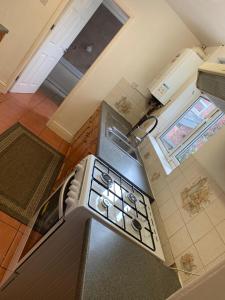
point(123, 206)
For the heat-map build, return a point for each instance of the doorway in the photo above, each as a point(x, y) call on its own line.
point(105, 23)
point(80, 53)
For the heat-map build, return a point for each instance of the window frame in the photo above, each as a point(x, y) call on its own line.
point(189, 139)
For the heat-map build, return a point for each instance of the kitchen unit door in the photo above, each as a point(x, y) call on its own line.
point(51, 272)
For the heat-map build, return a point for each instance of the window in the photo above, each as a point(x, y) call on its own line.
point(191, 130)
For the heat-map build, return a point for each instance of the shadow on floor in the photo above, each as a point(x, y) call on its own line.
point(56, 98)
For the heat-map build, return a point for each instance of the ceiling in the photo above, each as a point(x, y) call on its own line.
point(205, 18)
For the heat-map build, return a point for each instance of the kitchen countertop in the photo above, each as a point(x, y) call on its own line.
point(114, 156)
point(116, 268)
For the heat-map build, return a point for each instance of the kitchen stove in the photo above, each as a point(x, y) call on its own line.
point(123, 206)
point(92, 190)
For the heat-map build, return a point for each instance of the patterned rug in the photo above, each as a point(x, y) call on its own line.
point(28, 169)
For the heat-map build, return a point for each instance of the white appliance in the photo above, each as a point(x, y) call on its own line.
point(93, 189)
point(211, 80)
point(171, 78)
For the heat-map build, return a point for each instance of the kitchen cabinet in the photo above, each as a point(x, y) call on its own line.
point(116, 268)
point(84, 143)
point(51, 272)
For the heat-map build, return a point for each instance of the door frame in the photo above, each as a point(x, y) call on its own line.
point(5, 86)
point(45, 32)
point(26, 82)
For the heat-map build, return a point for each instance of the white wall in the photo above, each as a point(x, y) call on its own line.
point(204, 17)
point(145, 44)
point(213, 158)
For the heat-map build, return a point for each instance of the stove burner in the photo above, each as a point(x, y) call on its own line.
point(132, 198)
point(136, 225)
point(107, 179)
point(105, 202)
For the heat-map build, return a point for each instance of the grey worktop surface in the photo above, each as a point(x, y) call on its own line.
point(116, 268)
point(3, 29)
point(117, 158)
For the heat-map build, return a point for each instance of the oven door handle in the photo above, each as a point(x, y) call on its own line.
point(61, 197)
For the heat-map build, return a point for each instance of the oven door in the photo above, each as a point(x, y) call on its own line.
point(48, 218)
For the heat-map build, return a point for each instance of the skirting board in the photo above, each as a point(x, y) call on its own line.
point(60, 131)
point(3, 87)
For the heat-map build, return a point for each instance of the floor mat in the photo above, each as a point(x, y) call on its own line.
point(28, 169)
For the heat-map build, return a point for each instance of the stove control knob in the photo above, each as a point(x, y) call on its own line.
point(74, 188)
point(75, 182)
point(72, 194)
point(79, 167)
point(69, 202)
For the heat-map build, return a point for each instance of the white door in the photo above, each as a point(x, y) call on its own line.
point(60, 38)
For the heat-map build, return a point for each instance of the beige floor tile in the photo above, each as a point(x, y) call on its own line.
point(168, 209)
point(177, 188)
point(216, 210)
point(194, 277)
point(215, 189)
point(177, 185)
point(177, 197)
point(199, 226)
point(219, 260)
point(159, 184)
point(173, 223)
point(221, 230)
point(187, 163)
point(187, 215)
point(193, 264)
point(193, 172)
point(174, 176)
point(168, 254)
point(161, 229)
point(163, 196)
point(210, 247)
point(180, 241)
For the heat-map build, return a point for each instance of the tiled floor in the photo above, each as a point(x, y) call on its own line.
point(193, 215)
point(33, 111)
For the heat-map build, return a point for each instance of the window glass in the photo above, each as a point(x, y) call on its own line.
point(199, 112)
point(201, 139)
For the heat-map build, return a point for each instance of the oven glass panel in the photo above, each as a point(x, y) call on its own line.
point(47, 218)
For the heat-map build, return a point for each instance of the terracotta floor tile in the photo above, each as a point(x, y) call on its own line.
point(2, 273)
point(8, 111)
point(11, 250)
point(7, 235)
point(51, 138)
point(4, 126)
point(22, 228)
point(33, 121)
point(33, 111)
point(3, 98)
point(9, 220)
point(46, 108)
point(26, 101)
point(64, 147)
